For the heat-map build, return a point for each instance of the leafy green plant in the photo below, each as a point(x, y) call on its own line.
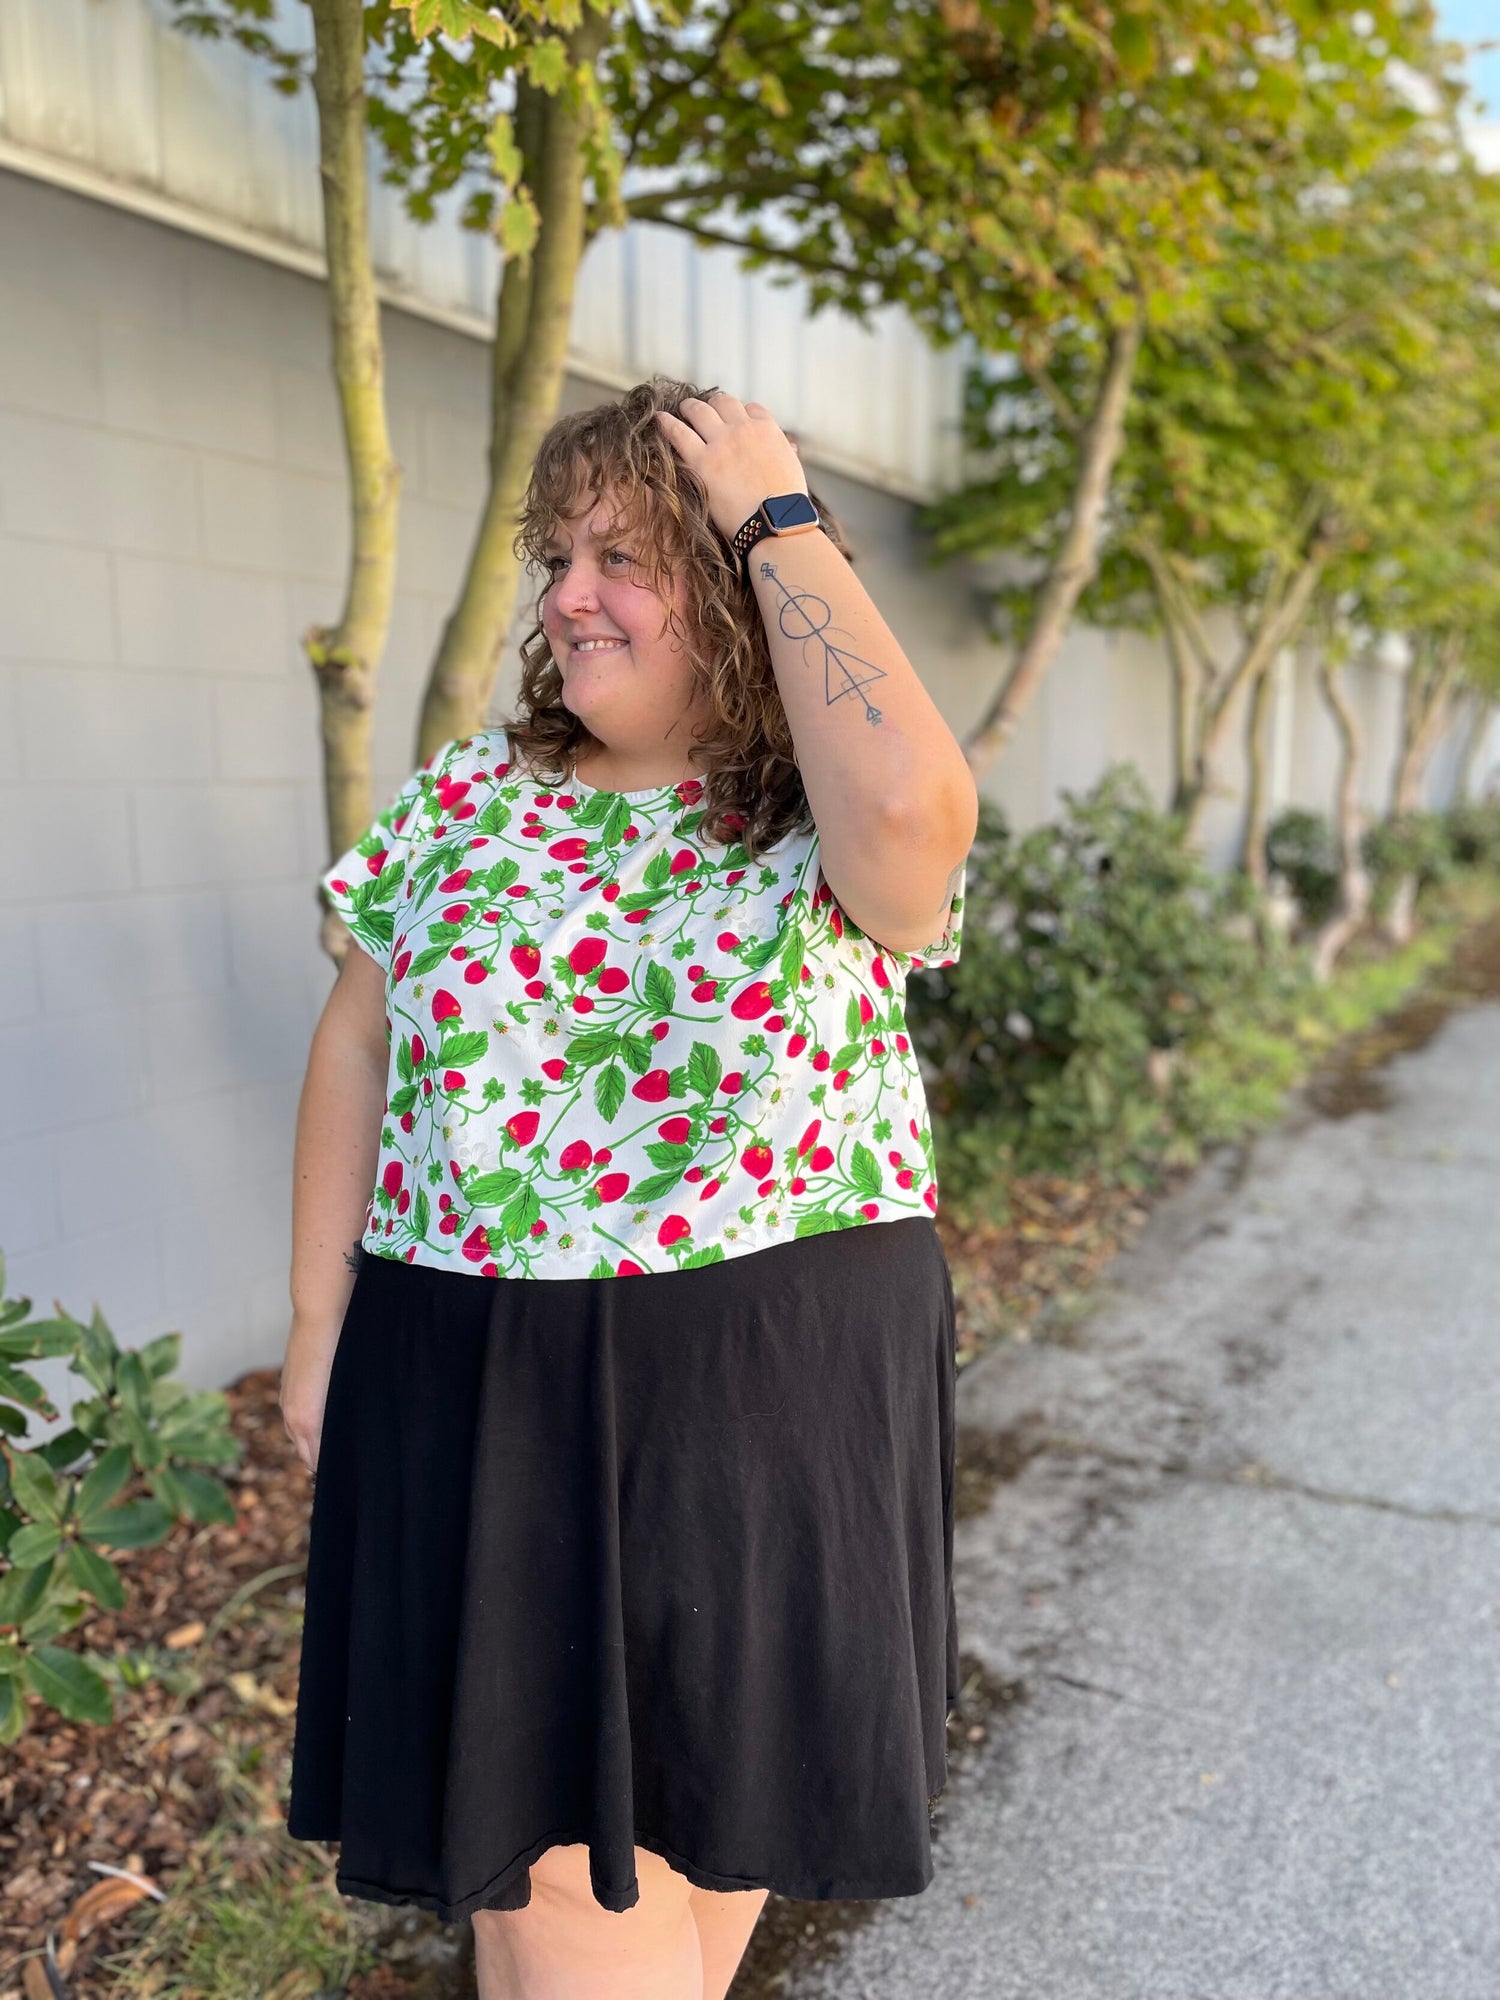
point(1407, 844)
point(65, 1503)
point(1097, 950)
point(1474, 833)
point(1300, 846)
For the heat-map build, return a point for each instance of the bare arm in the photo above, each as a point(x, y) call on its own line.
point(890, 789)
point(893, 798)
point(333, 1171)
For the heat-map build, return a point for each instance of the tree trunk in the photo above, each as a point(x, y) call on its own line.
point(533, 320)
point(1425, 712)
point(1354, 880)
point(346, 657)
point(1280, 619)
point(1253, 839)
point(1077, 560)
point(1479, 729)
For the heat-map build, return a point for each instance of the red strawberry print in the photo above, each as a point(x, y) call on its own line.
point(751, 1003)
point(746, 1043)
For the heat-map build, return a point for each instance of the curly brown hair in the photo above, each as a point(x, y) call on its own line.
point(752, 787)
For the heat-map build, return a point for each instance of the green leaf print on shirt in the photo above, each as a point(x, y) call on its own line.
point(563, 1100)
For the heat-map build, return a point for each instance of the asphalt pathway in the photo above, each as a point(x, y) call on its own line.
point(1232, 1596)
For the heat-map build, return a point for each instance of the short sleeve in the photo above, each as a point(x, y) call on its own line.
point(364, 884)
point(947, 949)
point(944, 950)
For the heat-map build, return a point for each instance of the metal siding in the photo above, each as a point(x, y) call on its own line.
point(118, 89)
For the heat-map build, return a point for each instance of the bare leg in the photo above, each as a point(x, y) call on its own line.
point(565, 1946)
point(725, 1919)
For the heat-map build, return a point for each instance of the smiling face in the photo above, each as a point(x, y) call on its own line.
point(618, 637)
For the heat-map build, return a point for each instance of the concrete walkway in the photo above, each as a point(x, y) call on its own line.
point(1238, 1612)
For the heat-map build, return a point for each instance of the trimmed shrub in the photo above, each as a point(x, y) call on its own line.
point(1096, 949)
point(1302, 849)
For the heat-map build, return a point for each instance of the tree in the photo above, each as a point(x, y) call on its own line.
point(1293, 446)
point(346, 656)
point(1203, 142)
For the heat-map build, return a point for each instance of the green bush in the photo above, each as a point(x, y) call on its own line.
point(1474, 833)
point(1097, 949)
point(1300, 847)
point(1406, 844)
point(61, 1505)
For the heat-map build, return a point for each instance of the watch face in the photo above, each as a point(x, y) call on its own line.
point(790, 510)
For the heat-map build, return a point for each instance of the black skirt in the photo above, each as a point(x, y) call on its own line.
point(661, 1561)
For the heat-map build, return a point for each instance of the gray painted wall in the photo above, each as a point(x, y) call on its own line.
point(172, 516)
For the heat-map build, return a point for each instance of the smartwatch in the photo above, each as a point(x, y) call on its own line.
point(784, 514)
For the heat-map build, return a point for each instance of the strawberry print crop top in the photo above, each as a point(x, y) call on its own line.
point(612, 1050)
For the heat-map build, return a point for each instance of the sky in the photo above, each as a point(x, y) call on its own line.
point(1471, 21)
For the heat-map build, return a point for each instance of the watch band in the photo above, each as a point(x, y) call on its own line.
point(759, 525)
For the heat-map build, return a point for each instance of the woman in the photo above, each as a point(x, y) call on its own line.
point(628, 1602)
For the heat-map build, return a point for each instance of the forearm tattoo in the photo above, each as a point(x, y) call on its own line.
point(804, 617)
point(351, 1256)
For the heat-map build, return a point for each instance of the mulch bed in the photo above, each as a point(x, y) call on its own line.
point(138, 1792)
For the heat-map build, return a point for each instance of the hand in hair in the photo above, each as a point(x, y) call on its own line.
point(738, 450)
